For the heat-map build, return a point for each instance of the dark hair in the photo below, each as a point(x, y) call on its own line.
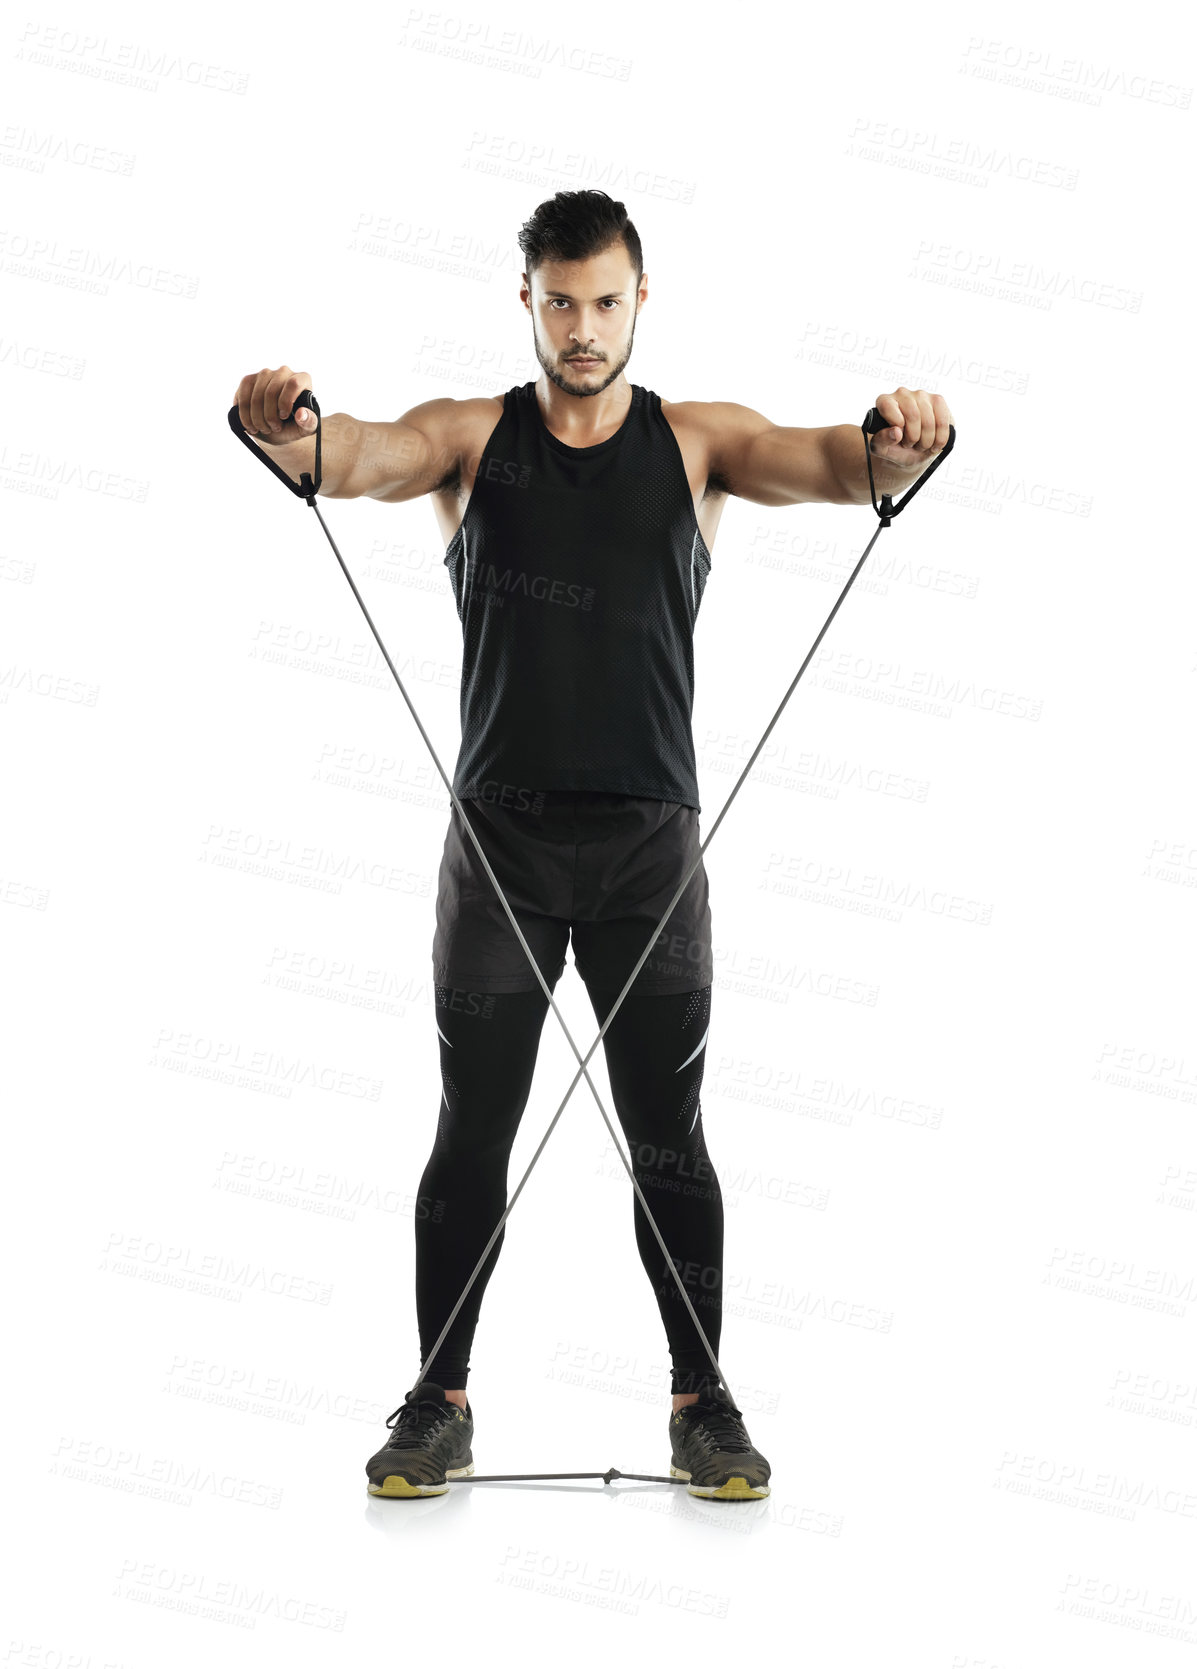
point(574, 225)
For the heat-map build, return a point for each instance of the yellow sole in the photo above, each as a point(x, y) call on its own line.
point(399, 1489)
point(732, 1489)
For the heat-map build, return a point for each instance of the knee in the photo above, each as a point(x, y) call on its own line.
point(671, 1166)
point(476, 1133)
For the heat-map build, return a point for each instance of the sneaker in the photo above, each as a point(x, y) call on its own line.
point(714, 1453)
point(429, 1444)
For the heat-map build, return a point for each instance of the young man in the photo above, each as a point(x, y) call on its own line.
point(579, 513)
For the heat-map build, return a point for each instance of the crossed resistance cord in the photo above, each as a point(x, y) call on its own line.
point(307, 488)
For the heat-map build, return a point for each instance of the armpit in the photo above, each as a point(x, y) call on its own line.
point(451, 483)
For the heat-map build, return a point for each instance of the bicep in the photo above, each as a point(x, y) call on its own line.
point(419, 450)
point(413, 455)
point(767, 463)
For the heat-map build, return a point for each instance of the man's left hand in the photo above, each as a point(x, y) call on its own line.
point(918, 429)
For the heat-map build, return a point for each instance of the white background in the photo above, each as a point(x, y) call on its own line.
point(951, 1075)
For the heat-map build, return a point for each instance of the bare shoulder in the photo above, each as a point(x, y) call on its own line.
point(714, 418)
point(691, 417)
point(448, 422)
point(712, 431)
point(456, 431)
point(708, 412)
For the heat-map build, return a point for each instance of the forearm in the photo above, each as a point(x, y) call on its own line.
point(845, 449)
point(339, 440)
point(361, 460)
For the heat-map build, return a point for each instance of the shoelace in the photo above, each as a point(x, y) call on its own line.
point(415, 1422)
point(723, 1426)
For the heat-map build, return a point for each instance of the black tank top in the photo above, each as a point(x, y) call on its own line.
point(578, 574)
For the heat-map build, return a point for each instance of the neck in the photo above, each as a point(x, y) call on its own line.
point(577, 418)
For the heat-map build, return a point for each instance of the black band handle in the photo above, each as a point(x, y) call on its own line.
point(887, 510)
point(307, 488)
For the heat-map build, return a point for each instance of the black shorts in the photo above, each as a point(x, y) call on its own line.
point(602, 866)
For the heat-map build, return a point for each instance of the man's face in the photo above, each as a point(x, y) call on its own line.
point(584, 311)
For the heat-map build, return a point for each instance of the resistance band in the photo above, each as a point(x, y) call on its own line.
point(307, 489)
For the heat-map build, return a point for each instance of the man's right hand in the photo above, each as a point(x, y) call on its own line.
point(264, 401)
point(391, 461)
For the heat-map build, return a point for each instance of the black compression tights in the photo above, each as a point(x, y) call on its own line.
point(655, 1055)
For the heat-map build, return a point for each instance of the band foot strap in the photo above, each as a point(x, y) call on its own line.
point(608, 1476)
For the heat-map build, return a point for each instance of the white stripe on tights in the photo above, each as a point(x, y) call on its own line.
point(697, 1051)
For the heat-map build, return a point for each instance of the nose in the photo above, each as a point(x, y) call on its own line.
point(584, 339)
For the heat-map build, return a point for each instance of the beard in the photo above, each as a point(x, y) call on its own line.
point(605, 370)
